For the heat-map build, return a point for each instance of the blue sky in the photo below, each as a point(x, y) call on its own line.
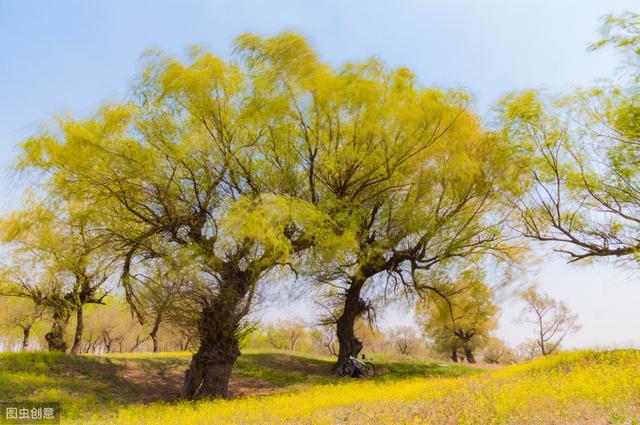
point(59, 57)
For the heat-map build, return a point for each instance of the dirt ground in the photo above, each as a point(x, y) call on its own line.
point(165, 384)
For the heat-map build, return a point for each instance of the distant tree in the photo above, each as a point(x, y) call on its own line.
point(160, 290)
point(22, 314)
point(404, 338)
point(327, 339)
point(56, 263)
point(461, 316)
point(527, 351)
point(294, 329)
point(285, 334)
point(275, 337)
point(111, 328)
point(496, 351)
point(552, 320)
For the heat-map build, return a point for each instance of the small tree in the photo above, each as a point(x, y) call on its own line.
point(496, 351)
point(460, 316)
point(552, 320)
point(405, 338)
point(160, 289)
point(111, 328)
point(20, 314)
point(55, 262)
point(527, 351)
point(327, 340)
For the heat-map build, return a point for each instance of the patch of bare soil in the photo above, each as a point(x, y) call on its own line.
point(154, 384)
point(241, 386)
point(484, 366)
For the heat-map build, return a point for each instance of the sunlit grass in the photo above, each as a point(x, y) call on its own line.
point(575, 387)
point(98, 385)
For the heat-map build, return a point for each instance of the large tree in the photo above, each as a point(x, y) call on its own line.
point(582, 154)
point(408, 170)
point(234, 169)
point(181, 176)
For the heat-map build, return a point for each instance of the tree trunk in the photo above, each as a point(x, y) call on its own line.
point(154, 339)
point(25, 337)
point(55, 337)
point(468, 353)
point(154, 332)
point(454, 356)
point(210, 370)
point(77, 339)
point(354, 306)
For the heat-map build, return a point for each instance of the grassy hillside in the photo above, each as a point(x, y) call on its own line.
point(99, 385)
point(277, 387)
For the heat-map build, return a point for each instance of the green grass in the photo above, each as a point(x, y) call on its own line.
point(99, 385)
point(272, 386)
point(584, 387)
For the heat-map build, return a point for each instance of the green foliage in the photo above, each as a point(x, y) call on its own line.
point(461, 315)
point(582, 153)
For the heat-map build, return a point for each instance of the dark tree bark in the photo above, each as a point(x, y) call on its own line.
point(154, 332)
point(354, 307)
point(77, 339)
point(468, 353)
point(25, 337)
point(210, 370)
point(454, 356)
point(55, 337)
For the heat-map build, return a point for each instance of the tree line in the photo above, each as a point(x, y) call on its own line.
point(216, 180)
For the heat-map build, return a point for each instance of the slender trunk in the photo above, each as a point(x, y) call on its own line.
point(454, 356)
point(154, 339)
point(210, 370)
point(55, 337)
point(77, 339)
point(154, 332)
point(25, 337)
point(354, 306)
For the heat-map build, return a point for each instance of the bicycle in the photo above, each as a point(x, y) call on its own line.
point(358, 368)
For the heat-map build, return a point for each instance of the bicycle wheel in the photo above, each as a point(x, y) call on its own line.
point(369, 370)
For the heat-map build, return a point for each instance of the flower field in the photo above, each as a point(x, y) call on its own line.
point(584, 387)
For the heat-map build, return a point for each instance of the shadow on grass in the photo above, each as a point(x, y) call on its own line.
point(283, 369)
point(90, 385)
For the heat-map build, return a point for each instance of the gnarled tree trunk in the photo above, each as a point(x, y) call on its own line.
point(210, 370)
point(354, 307)
point(77, 339)
point(55, 337)
point(454, 356)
